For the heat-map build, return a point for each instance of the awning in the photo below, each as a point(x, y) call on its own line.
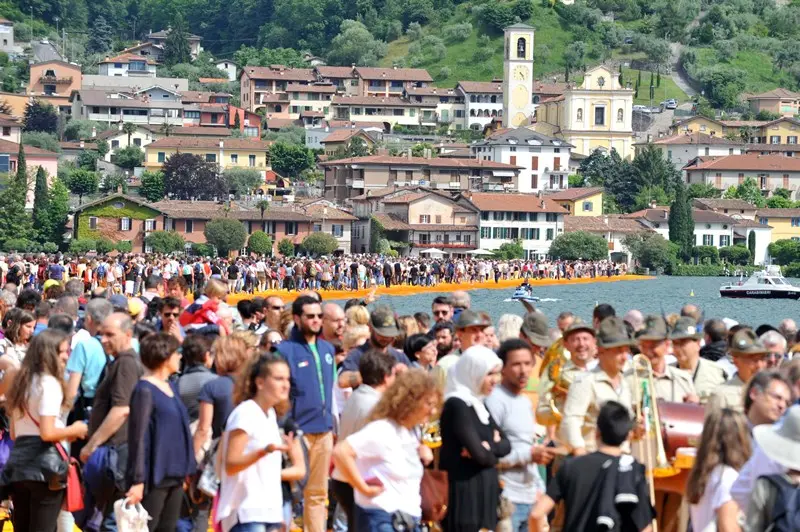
point(503, 173)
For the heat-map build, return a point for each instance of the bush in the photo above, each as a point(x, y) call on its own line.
point(319, 244)
point(706, 270)
point(104, 245)
point(203, 250)
point(124, 246)
point(457, 32)
point(42, 140)
point(165, 241)
point(22, 245)
point(226, 235)
point(735, 255)
point(259, 243)
point(706, 254)
point(414, 31)
point(49, 247)
point(444, 72)
point(791, 270)
point(286, 247)
point(82, 245)
point(579, 245)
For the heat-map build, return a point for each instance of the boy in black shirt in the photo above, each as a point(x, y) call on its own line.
point(603, 490)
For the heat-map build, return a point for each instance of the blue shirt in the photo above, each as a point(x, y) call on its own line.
point(88, 359)
point(354, 356)
point(218, 392)
point(39, 328)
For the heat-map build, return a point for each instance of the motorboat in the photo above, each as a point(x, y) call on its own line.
point(766, 284)
point(524, 293)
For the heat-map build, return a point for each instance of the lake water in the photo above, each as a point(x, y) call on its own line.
point(663, 294)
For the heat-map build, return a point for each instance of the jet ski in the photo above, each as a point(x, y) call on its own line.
point(524, 293)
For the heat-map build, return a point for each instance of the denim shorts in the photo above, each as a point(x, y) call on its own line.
point(257, 527)
point(375, 520)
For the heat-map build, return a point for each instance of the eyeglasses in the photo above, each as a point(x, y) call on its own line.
point(171, 314)
point(440, 312)
point(312, 316)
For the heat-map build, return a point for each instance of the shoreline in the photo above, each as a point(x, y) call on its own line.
point(406, 290)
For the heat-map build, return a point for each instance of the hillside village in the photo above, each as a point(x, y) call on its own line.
point(366, 153)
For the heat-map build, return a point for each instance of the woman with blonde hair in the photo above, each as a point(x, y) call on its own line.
point(508, 327)
point(357, 315)
point(407, 326)
point(216, 397)
point(384, 460)
point(724, 449)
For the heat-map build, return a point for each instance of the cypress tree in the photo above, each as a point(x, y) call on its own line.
point(658, 79)
point(15, 222)
point(22, 166)
point(41, 205)
point(681, 225)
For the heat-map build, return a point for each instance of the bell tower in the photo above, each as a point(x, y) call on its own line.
point(517, 75)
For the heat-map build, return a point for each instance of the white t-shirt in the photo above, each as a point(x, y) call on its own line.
point(253, 495)
point(44, 400)
point(717, 493)
point(388, 451)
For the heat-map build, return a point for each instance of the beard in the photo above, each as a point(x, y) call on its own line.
point(443, 349)
point(306, 329)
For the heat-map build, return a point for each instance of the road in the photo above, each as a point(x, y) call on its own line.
point(45, 52)
point(675, 58)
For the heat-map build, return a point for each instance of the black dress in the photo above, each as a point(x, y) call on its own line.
point(474, 490)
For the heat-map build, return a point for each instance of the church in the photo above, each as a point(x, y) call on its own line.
point(595, 114)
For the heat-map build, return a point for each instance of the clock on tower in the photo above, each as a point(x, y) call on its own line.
point(518, 75)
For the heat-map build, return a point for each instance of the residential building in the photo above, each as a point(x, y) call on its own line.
point(160, 38)
point(390, 111)
point(612, 227)
point(786, 150)
point(112, 107)
point(682, 148)
point(54, 81)
point(584, 201)
point(517, 75)
point(34, 158)
point(259, 82)
point(330, 219)
point(345, 79)
point(785, 223)
point(535, 220)
point(10, 129)
point(225, 152)
point(386, 82)
point(71, 150)
point(131, 218)
point(543, 89)
point(127, 64)
point(769, 171)
point(147, 49)
point(450, 107)
point(347, 178)
point(778, 101)
point(337, 141)
point(316, 135)
point(7, 36)
point(483, 102)
point(543, 159)
point(118, 139)
point(229, 67)
point(308, 99)
point(597, 114)
point(132, 84)
point(735, 208)
point(198, 131)
point(17, 103)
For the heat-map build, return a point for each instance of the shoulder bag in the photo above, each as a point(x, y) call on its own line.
point(434, 492)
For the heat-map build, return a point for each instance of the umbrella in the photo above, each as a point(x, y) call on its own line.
point(431, 251)
point(479, 252)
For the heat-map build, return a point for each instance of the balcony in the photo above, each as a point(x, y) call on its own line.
point(55, 80)
point(358, 183)
point(455, 245)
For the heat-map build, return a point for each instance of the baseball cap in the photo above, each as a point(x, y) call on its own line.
point(383, 322)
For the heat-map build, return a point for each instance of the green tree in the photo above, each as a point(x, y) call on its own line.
point(574, 57)
point(259, 243)
point(748, 191)
point(357, 148)
point(104, 245)
point(82, 182)
point(286, 247)
point(510, 250)
point(188, 176)
point(784, 251)
point(648, 249)
point(355, 45)
point(225, 234)
point(82, 246)
point(702, 190)
point(237, 122)
point(101, 37)
point(40, 139)
point(751, 243)
point(152, 187)
point(58, 212)
point(129, 128)
point(317, 244)
point(263, 206)
point(88, 160)
point(41, 205)
point(735, 255)
point(176, 46)
point(129, 158)
point(418, 150)
point(779, 202)
point(579, 245)
point(706, 254)
point(290, 160)
point(15, 222)
point(40, 116)
point(648, 194)
point(110, 183)
point(165, 241)
point(242, 181)
point(124, 246)
point(681, 225)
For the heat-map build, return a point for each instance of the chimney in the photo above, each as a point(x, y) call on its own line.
point(221, 144)
point(408, 152)
point(119, 125)
point(82, 145)
point(653, 204)
point(94, 132)
point(395, 67)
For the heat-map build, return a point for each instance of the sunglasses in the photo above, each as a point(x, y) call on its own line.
point(171, 314)
point(440, 312)
point(312, 316)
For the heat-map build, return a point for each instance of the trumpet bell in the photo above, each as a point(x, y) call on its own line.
point(432, 435)
point(548, 414)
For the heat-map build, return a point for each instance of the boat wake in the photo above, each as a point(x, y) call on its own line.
point(543, 300)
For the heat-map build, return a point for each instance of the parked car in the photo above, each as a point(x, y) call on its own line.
point(672, 103)
point(641, 108)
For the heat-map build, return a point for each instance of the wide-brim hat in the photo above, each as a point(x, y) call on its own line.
point(612, 333)
point(655, 329)
point(536, 329)
point(576, 326)
point(782, 443)
point(470, 318)
point(766, 327)
point(745, 342)
point(685, 329)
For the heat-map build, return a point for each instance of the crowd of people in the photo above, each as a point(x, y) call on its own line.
point(128, 273)
point(273, 415)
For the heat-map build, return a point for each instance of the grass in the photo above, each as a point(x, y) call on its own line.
point(668, 90)
point(758, 67)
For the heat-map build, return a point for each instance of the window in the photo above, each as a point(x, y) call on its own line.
point(234, 158)
point(549, 234)
point(724, 240)
point(762, 220)
point(137, 142)
point(211, 157)
point(115, 145)
point(412, 112)
point(337, 230)
point(795, 222)
point(189, 226)
point(93, 222)
point(599, 116)
point(161, 156)
point(252, 160)
point(291, 228)
point(587, 206)
point(775, 139)
point(125, 224)
point(424, 218)
point(486, 232)
point(192, 115)
point(484, 215)
point(317, 228)
point(521, 44)
point(438, 218)
point(708, 240)
point(551, 217)
point(6, 131)
point(513, 160)
point(791, 140)
point(150, 225)
point(397, 112)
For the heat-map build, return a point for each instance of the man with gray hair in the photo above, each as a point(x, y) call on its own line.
point(788, 328)
point(74, 287)
point(9, 296)
point(776, 344)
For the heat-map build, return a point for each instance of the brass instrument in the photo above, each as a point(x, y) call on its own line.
point(553, 363)
point(432, 434)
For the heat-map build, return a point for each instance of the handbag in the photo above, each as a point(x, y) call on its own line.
point(208, 480)
point(73, 500)
point(130, 517)
point(434, 492)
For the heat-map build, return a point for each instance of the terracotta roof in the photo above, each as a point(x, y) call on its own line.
point(752, 162)
point(8, 121)
point(343, 135)
point(213, 80)
point(407, 198)
point(75, 145)
point(323, 88)
point(750, 223)
point(695, 138)
point(133, 199)
point(163, 35)
point(101, 98)
point(280, 72)
point(206, 210)
point(661, 214)
point(278, 97)
point(421, 161)
point(211, 142)
point(753, 148)
point(540, 87)
point(778, 213)
point(775, 94)
point(522, 135)
point(200, 96)
point(318, 211)
point(209, 131)
point(380, 192)
point(482, 86)
point(744, 123)
point(359, 124)
point(552, 99)
point(603, 224)
point(127, 58)
point(572, 194)
point(431, 91)
point(12, 148)
point(442, 227)
point(312, 114)
point(487, 201)
point(394, 74)
point(273, 123)
point(335, 71)
point(391, 222)
point(386, 101)
point(715, 203)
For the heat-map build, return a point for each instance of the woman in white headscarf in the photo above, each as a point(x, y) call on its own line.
point(471, 442)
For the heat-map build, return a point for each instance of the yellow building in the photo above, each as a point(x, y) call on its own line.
point(779, 101)
point(580, 201)
point(518, 75)
point(783, 131)
point(598, 113)
point(785, 223)
point(226, 152)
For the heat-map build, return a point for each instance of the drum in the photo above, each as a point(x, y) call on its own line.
point(681, 426)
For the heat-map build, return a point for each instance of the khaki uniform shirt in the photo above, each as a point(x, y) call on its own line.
point(707, 377)
point(586, 396)
point(569, 373)
point(728, 394)
point(672, 386)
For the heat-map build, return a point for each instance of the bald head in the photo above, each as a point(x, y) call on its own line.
point(635, 319)
point(460, 299)
point(333, 322)
point(116, 333)
point(692, 311)
point(788, 329)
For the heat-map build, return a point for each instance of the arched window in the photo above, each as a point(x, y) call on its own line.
point(472, 112)
point(536, 98)
point(580, 114)
point(521, 48)
point(494, 113)
point(494, 99)
point(278, 108)
point(472, 98)
point(620, 115)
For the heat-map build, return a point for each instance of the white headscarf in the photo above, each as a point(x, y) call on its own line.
point(464, 380)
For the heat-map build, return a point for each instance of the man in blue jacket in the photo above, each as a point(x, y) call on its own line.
point(313, 368)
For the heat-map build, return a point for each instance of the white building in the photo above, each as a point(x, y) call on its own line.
point(545, 160)
point(390, 110)
point(612, 227)
point(483, 102)
point(535, 220)
point(230, 68)
point(118, 139)
point(683, 148)
point(328, 218)
point(127, 65)
point(450, 108)
point(7, 36)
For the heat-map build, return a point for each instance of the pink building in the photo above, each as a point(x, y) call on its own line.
point(34, 158)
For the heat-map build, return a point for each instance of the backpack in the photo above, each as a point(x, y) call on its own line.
point(785, 514)
point(101, 271)
point(198, 269)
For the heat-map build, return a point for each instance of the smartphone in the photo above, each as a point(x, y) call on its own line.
point(374, 481)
